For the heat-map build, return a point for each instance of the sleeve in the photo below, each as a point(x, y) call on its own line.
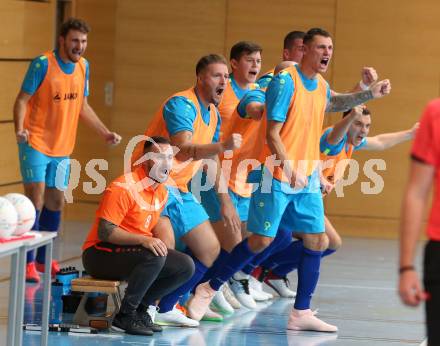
point(329, 93)
point(216, 137)
point(86, 87)
point(256, 95)
point(35, 75)
point(115, 204)
point(264, 80)
point(330, 149)
point(179, 114)
point(278, 96)
point(362, 144)
point(425, 147)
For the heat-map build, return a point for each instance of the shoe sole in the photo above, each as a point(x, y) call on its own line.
point(217, 308)
point(120, 330)
point(209, 319)
point(171, 324)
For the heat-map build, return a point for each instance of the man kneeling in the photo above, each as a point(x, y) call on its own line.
point(124, 242)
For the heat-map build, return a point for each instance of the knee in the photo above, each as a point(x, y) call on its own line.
point(186, 265)
point(258, 243)
point(210, 253)
point(335, 244)
point(317, 242)
point(54, 204)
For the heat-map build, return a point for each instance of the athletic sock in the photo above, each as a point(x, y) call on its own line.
point(167, 303)
point(49, 221)
point(308, 276)
point(239, 257)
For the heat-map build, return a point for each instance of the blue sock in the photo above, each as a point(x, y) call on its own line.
point(30, 257)
point(283, 262)
point(167, 303)
point(328, 252)
point(282, 238)
point(239, 257)
point(308, 275)
point(219, 262)
point(49, 221)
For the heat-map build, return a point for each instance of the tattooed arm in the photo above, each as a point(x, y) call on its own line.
point(110, 233)
point(343, 102)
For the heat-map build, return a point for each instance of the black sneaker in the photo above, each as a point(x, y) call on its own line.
point(130, 324)
point(146, 320)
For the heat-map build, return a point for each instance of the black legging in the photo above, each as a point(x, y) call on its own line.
point(149, 277)
point(432, 286)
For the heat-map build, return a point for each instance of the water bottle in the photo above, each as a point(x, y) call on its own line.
point(56, 303)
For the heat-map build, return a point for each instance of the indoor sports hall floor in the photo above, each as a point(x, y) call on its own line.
point(357, 292)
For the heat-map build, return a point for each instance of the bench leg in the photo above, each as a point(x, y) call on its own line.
point(81, 316)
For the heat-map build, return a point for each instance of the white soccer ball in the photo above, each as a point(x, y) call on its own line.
point(8, 218)
point(25, 212)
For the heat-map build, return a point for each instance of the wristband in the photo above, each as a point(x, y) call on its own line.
point(405, 269)
point(363, 86)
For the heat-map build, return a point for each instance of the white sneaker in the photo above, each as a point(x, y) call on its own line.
point(175, 318)
point(229, 296)
point(256, 290)
point(212, 316)
point(220, 304)
point(152, 310)
point(281, 286)
point(241, 292)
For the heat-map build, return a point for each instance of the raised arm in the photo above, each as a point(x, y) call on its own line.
point(388, 140)
point(343, 102)
point(341, 128)
point(368, 78)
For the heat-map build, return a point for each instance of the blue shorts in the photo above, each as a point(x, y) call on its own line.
point(37, 167)
point(211, 203)
point(299, 211)
point(184, 212)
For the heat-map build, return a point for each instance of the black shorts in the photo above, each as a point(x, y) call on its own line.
point(431, 281)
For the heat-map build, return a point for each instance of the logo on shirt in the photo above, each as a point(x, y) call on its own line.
point(70, 96)
point(148, 222)
point(66, 97)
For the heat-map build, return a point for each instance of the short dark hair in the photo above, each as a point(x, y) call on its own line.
point(207, 60)
point(74, 24)
point(148, 144)
point(244, 47)
point(308, 37)
point(365, 111)
point(290, 38)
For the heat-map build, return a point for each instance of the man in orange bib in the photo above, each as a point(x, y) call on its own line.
point(191, 121)
point(52, 99)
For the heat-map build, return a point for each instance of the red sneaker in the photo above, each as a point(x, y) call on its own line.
point(31, 273)
point(55, 268)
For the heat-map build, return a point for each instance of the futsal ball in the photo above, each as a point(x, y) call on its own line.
point(8, 218)
point(25, 212)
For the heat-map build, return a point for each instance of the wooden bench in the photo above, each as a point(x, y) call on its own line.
point(88, 285)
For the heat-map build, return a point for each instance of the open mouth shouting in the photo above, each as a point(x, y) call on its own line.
point(219, 91)
point(253, 74)
point(324, 62)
